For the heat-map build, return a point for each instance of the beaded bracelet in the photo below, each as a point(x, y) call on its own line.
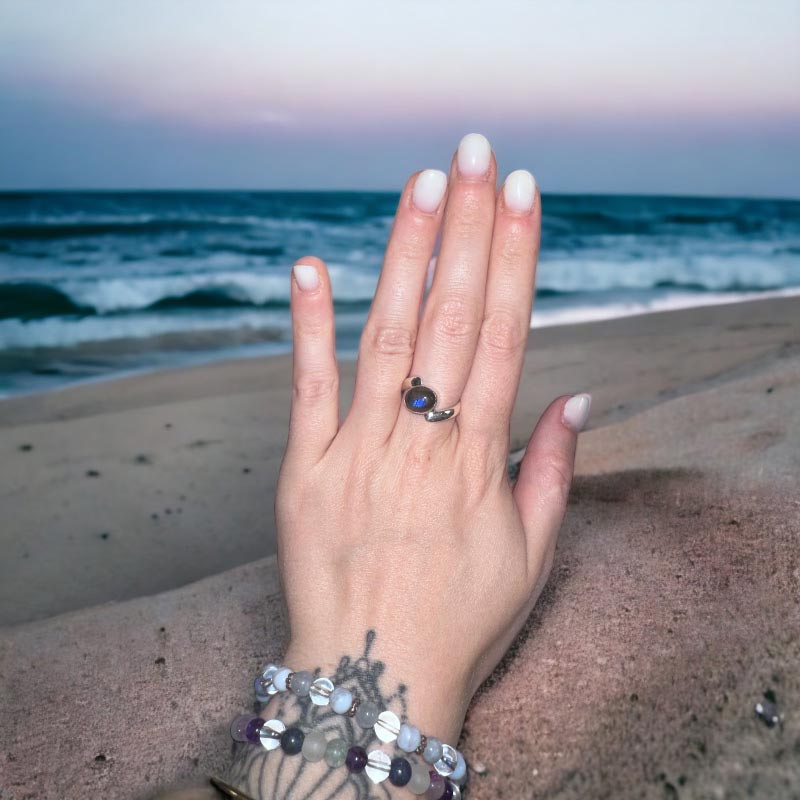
point(445, 759)
point(314, 746)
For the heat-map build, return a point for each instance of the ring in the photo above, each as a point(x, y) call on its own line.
point(420, 399)
point(227, 789)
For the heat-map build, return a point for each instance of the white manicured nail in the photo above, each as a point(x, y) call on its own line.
point(429, 190)
point(474, 155)
point(306, 276)
point(576, 411)
point(519, 191)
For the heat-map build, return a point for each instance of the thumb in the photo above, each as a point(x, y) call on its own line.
point(545, 474)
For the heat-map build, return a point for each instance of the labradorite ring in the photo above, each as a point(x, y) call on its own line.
point(419, 399)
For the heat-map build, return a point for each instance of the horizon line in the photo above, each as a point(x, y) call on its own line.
point(396, 192)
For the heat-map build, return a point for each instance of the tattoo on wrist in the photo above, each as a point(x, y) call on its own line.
point(263, 774)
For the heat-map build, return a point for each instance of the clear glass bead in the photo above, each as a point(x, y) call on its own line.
point(270, 734)
point(320, 692)
point(447, 763)
point(378, 766)
point(388, 726)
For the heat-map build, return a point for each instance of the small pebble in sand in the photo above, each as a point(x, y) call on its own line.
point(92, 473)
point(478, 767)
point(105, 535)
point(767, 710)
point(25, 448)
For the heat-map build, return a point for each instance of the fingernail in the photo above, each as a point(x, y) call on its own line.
point(429, 190)
point(474, 155)
point(519, 191)
point(306, 276)
point(576, 411)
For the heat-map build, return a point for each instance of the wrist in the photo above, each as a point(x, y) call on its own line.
point(401, 679)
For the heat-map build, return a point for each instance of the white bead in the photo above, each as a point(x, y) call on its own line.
point(378, 766)
point(269, 742)
point(279, 678)
point(447, 763)
point(409, 738)
point(320, 692)
point(460, 772)
point(388, 726)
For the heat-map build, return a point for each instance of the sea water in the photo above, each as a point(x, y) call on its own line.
point(96, 284)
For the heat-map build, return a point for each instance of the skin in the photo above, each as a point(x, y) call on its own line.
point(400, 540)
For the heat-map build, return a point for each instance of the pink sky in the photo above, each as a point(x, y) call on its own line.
point(713, 87)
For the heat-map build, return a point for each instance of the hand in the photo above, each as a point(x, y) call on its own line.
point(408, 528)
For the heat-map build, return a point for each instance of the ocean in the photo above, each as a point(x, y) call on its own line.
point(94, 285)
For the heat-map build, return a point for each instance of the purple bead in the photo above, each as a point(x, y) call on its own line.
point(239, 727)
point(448, 790)
point(251, 732)
point(437, 787)
point(356, 759)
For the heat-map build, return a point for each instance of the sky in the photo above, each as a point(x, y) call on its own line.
point(680, 97)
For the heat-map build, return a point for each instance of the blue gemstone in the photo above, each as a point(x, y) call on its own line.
point(420, 399)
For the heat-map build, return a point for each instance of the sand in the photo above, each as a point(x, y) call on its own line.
point(673, 606)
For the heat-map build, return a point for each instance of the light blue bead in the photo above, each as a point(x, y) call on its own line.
point(460, 772)
point(409, 738)
point(279, 678)
point(341, 700)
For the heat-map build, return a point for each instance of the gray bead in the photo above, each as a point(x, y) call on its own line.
point(301, 683)
point(433, 750)
point(367, 714)
point(409, 738)
point(314, 746)
point(420, 778)
point(336, 753)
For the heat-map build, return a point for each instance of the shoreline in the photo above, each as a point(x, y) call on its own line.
point(131, 487)
point(568, 318)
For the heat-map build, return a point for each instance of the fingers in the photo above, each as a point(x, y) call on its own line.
point(545, 474)
point(387, 344)
point(315, 379)
point(454, 309)
point(507, 311)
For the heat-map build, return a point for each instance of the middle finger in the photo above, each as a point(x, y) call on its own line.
point(453, 312)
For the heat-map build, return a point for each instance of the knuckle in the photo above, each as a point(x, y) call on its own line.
point(391, 340)
point(314, 386)
point(503, 335)
point(454, 321)
point(556, 475)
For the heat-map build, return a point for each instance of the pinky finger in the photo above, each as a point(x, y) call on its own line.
point(314, 418)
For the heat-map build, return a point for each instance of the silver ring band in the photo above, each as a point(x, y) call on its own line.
point(419, 399)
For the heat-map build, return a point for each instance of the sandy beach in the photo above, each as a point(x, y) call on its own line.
point(138, 588)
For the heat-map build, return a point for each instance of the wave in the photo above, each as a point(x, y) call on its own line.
point(32, 300)
point(37, 231)
point(29, 300)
